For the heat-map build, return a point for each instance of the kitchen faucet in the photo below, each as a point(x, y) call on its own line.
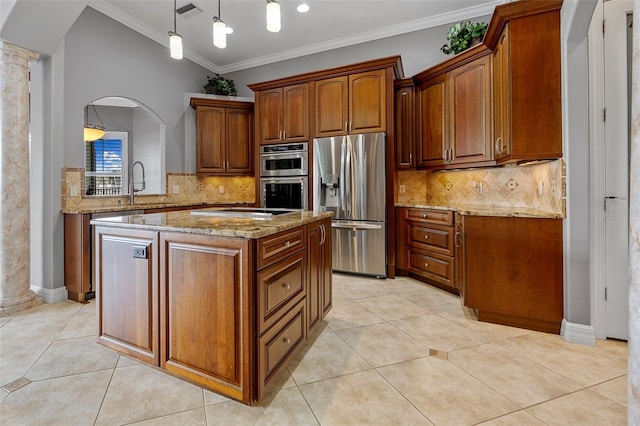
point(132, 187)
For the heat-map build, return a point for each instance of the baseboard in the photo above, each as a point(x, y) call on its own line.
point(578, 333)
point(51, 296)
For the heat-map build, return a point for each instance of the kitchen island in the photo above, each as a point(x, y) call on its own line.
point(219, 299)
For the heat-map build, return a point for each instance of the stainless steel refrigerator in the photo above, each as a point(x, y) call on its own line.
point(349, 180)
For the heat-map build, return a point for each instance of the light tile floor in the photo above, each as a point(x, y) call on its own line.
point(369, 363)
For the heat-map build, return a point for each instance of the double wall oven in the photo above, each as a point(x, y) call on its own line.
point(284, 176)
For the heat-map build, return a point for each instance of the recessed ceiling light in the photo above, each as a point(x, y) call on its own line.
point(302, 8)
point(228, 30)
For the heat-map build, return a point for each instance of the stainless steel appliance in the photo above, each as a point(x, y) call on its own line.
point(291, 159)
point(284, 181)
point(349, 180)
point(285, 192)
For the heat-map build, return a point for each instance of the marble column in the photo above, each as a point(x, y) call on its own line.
point(15, 294)
point(633, 398)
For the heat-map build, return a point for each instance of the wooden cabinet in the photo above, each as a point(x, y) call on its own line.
point(405, 123)
point(460, 256)
point(224, 137)
point(428, 243)
point(205, 311)
point(127, 298)
point(283, 114)
point(527, 111)
point(351, 104)
point(454, 113)
point(319, 292)
point(77, 256)
point(514, 271)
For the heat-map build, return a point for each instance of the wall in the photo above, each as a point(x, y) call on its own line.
point(98, 57)
point(419, 50)
point(146, 148)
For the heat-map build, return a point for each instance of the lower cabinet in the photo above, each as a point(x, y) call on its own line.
point(224, 313)
point(127, 299)
point(514, 271)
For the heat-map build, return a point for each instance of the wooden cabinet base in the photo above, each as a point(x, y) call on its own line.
point(520, 322)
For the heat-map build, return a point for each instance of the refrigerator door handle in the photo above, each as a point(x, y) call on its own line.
point(343, 180)
point(349, 179)
point(355, 225)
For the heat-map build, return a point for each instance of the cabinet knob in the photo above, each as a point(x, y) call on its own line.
point(287, 243)
point(426, 237)
point(286, 341)
point(424, 216)
point(426, 265)
point(286, 285)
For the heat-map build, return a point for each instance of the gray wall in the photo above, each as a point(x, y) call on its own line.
point(419, 50)
point(146, 148)
point(100, 57)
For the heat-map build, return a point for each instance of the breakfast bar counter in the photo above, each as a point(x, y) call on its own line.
point(221, 298)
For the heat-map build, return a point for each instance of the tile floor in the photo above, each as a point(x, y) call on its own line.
point(390, 352)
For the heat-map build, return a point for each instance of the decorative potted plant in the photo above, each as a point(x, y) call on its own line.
point(463, 35)
point(220, 85)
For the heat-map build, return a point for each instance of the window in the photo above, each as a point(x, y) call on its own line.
point(106, 165)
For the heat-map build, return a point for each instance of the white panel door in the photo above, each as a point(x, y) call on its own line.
point(617, 60)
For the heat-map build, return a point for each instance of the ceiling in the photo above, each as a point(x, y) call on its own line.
point(329, 24)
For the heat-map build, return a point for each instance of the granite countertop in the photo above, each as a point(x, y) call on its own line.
point(184, 221)
point(135, 207)
point(471, 210)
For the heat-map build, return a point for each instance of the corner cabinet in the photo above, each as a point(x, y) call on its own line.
point(454, 112)
point(224, 137)
point(354, 103)
point(283, 114)
point(527, 106)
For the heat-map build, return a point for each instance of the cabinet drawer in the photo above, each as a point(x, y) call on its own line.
point(280, 286)
point(277, 344)
point(430, 237)
point(432, 266)
point(280, 245)
point(439, 217)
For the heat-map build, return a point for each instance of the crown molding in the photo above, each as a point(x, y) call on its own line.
point(393, 30)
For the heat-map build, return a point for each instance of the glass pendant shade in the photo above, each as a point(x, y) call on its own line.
point(273, 16)
point(175, 45)
point(93, 132)
point(219, 33)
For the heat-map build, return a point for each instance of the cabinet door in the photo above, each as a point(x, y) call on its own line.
point(314, 274)
point(126, 277)
point(501, 96)
point(210, 135)
point(270, 116)
point(326, 267)
point(432, 117)
point(296, 113)
point(470, 137)
point(239, 141)
point(405, 128)
point(205, 311)
point(367, 102)
point(331, 106)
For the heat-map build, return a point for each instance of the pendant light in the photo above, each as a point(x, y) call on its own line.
point(273, 16)
point(175, 39)
point(92, 132)
point(219, 31)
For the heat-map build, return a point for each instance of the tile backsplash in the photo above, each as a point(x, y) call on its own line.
point(191, 188)
point(540, 186)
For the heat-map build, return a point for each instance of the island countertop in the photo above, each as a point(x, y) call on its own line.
point(186, 222)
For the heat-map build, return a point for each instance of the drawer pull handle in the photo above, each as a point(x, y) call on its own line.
point(287, 243)
point(426, 237)
point(424, 216)
point(286, 341)
point(426, 265)
point(286, 285)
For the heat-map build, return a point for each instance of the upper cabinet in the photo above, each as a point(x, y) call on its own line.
point(527, 111)
point(405, 123)
point(454, 113)
point(283, 114)
point(355, 103)
point(224, 137)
